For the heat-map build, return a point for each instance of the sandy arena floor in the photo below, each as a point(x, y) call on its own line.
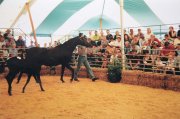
point(87, 100)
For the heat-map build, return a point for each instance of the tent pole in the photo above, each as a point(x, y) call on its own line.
point(100, 24)
point(17, 18)
point(121, 2)
point(32, 25)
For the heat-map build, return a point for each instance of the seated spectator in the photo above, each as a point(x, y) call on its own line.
point(20, 43)
point(155, 51)
point(159, 64)
point(103, 39)
point(147, 60)
point(127, 47)
point(166, 39)
point(11, 42)
point(116, 43)
point(139, 34)
point(131, 34)
point(104, 42)
point(2, 41)
point(96, 39)
point(148, 34)
point(152, 40)
point(177, 58)
point(167, 49)
point(172, 33)
point(116, 35)
point(142, 41)
point(5, 52)
point(135, 40)
point(109, 36)
point(13, 52)
point(126, 38)
point(170, 64)
point(136, 48)
point(133, 60)
point(177, 40)
point(114, 57)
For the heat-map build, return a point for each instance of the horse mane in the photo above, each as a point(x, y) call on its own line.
point(70, 42)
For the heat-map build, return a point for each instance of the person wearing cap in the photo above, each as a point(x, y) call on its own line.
point(82, 59)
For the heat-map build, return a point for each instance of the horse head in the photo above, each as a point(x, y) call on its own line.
point(84, 41)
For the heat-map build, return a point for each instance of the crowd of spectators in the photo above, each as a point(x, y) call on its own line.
point(143, 51)
point(9, 46)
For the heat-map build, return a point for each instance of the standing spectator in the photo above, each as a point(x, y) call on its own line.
point(109, 36)
point(148, 34)
point(7, 34)
point(90, 35)
point(31, 44)
point(172, 33)
point(131, 34)
point(20, 43)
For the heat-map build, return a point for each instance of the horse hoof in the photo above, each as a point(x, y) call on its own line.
point(42, 90)
point(76, 80)
point(10, 94)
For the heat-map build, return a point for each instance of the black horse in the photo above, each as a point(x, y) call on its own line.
point(16, 65)
point(61, 54)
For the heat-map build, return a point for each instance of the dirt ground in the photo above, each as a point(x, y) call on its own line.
point(86, 100)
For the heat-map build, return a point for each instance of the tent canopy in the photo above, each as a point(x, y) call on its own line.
point(60, 17)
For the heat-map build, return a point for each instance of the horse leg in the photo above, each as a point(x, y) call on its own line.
point(19, 77)
point(72, 71)
point(9, 80)
point(36, 79)
point(11, 75)
point(40, 84)
point(62, 73)
point(29, 77)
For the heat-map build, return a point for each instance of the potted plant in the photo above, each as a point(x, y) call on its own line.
point(114, 71)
